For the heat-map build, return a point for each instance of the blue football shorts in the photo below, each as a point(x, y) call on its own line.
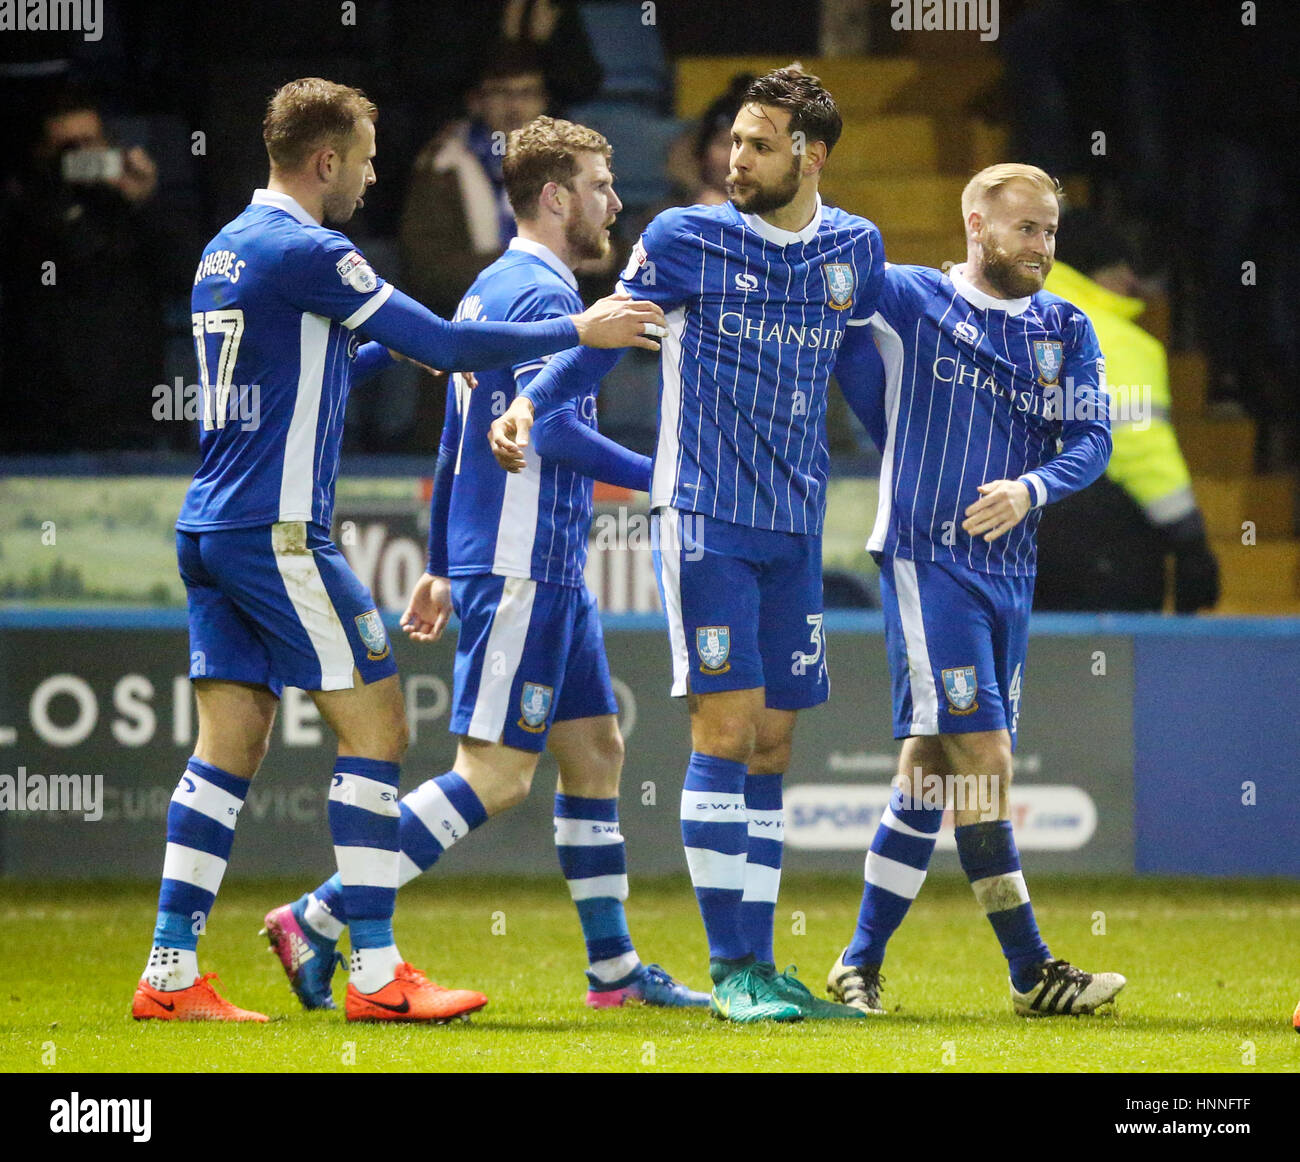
point(279, 606)
point(956, 640)
point(744, 608)
point(530, 653)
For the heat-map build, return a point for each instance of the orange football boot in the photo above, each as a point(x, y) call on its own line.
point(411, 996)
point(1295, 1019)
point(199, 1002)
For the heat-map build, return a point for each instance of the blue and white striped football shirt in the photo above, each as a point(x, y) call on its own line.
point(276, 301)
point(980, 389)
point(756, 315)
point(277, 307)
point(533, 523)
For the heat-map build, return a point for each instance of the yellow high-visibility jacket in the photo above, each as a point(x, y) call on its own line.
point(1145, 460)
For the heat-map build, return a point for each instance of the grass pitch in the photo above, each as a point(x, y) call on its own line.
point(1212, 966)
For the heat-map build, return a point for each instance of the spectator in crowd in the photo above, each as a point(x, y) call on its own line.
point(88, 263)
point(460, 37)
point(1105, 548)
point(457, 218)
point(701, 158)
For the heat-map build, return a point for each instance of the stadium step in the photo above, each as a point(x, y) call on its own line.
point(1270, 606)
point(1228, 501)
point(944, 85)
point(1189, 374)
point(892, 143)
point(898, 144)
point(932, 248)
point(921, 204)
point(1220, 446)
point(863, 86)
point(1268, 571)
point(1156, 319)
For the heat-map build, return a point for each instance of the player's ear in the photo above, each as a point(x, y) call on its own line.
point(814, 159)
point(325, 161)
point(551, 198)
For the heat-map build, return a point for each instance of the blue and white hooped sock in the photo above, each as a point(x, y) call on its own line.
point(365, 824)
point(593, 858)
point(714, 833)
point(766, 844)
point(435, 815)
point(895, 870)
point(992, 864)
point(200, 829)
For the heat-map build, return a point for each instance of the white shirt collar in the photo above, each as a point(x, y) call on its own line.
point(985, 302)
point(547, 255)
point(769, 233)
point(283, 202)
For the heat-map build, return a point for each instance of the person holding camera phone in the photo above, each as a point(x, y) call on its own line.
point(88, 258)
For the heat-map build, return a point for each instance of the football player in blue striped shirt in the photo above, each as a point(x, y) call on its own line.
point(760, 293)
point(279, 304)
point(993, 405)
point(507, 552)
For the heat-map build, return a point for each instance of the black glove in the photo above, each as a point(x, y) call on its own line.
point(1196, 570)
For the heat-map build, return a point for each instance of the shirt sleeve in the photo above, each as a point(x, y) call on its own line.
point(568, 376)
point(561, 436)
point(327, 278)
point(860, 372)
point(326, 275)
point(371, 359)
point(444, 475)
point(662, 267)
point(871, 278)
point(404, 325)
point(1085, 423)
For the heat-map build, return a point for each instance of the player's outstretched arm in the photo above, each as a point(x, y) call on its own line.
point(413, 330)
point(561, 437)
point(619, 320)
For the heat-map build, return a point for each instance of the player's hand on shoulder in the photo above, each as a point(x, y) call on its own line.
point(1002, 505)
point(508, 435)
point(618, 320)
point(428, 610)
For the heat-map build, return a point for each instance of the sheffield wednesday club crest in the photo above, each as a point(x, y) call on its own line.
point(839, 284)
point(713, 644)
point(960, 686)
point(371, 628)
point(535, 707)
point(1047, 354)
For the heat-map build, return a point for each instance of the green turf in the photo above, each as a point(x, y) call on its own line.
point(1212, 970)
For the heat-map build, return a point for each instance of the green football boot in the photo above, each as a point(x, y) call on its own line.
point(790, 988)
point(749, 994)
